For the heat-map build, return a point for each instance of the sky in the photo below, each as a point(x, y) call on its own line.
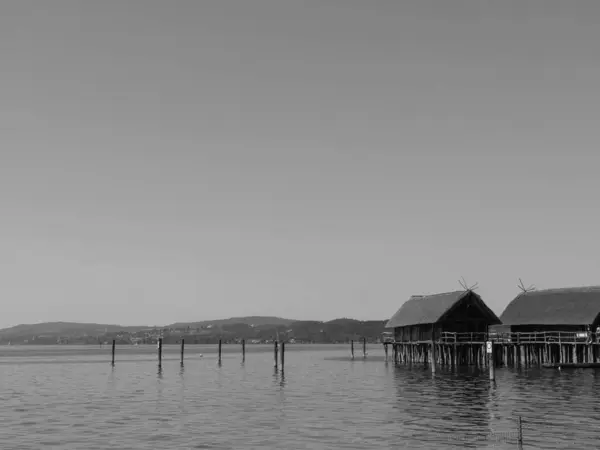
point(195, 160)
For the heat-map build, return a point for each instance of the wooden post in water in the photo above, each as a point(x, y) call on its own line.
point(220, 345)
point(491, 359)
point(364, 347)
point(275, 352)
point(282, 355)
point(160, 342)
point(352, 348)
point(243, 349)
point(182, 347)
point(113, 352)
point(432, 350)
point(520, 433)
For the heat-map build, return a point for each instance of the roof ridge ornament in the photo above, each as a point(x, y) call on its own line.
point(465, 286)
point(525, 290)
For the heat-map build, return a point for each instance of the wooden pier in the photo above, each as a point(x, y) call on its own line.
point(508, 349)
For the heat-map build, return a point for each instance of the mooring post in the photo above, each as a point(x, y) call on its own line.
point(243, 348)
point(352, 348)
point(182, 347)
point(491, 359)
point(113, 352)
point(160, 342)
point(275, 352)
point(364, 347)
point(282, 355)
point(520, 432)
point(220, 348)
point(433, 350)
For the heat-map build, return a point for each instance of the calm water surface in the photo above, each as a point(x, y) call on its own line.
point(71, 398)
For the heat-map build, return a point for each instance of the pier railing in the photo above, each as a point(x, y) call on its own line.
point(448, 337)
point(542, 337)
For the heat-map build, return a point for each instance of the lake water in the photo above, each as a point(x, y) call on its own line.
point(71, 398)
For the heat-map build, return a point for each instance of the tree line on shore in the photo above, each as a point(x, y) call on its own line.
point(251, 329)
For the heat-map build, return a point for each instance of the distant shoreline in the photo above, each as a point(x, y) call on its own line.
point(252, 329)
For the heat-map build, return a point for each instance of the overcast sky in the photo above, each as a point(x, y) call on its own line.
point(168, 161)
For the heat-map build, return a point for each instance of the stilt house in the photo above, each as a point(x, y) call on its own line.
point(564, 309)
point(425, 316)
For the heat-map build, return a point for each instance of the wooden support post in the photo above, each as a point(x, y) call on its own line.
point(433, 350)
point(364, 347)
point(560, 350)
point(491, 359)
point(113, 351)
point(182, 347)
point(282, 355)
point(160, 342)
point(243, 349)
point(352, 349)
point(220, 349)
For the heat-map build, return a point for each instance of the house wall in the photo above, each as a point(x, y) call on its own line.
point(424, 332)
point(413, 333)
point(466, 317)
point(541, 328)
point(499, 329)
point(473, 326)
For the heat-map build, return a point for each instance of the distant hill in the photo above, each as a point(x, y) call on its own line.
point(337, 330)
point(52, 330)
point(251, 328)
point(59, 327)
point(250, 320)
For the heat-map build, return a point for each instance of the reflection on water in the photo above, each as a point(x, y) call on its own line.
point(282, 379)
point(317, 402)
point(278, 377)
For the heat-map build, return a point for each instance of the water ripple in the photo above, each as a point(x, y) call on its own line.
point(68, 399)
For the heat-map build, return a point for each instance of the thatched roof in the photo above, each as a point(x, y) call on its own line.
point(565, 306)
point(426, 309)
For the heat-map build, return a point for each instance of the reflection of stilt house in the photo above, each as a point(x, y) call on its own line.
point(445, 315)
